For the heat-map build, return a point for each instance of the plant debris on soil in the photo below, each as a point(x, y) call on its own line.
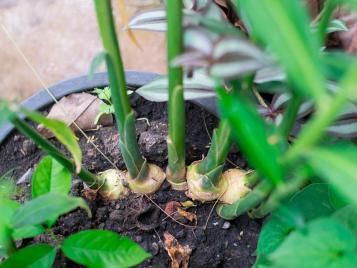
point(212, 241)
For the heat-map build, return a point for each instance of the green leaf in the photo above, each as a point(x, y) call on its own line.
point(46, 207)
point(336, 165)
point(50, 177)
point(337, 26)
point(151, 20)
point(62, 132)
point(7, 209)
point(347, 216)
point(35, 256)
point(198, 86)
point(6, 112)
point(252, 135)
point(292, 41)
point(98, 60)
point(323, 243)
point(27, 232)
point(310, 203)
point(103, 249)
point(103, 94)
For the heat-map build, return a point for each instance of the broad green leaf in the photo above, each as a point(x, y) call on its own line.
point(347, 216)
point(97, 61)
point(7, 209)
point(50, 177)
point(336, 165)
point(103, 249)
point(323, 243)
point(310, 203)
point(27, 232)
point(252, 135)
point(292, 41)
point(46, 207)
point(35, 256)
point(197, 87)
point(62, 132)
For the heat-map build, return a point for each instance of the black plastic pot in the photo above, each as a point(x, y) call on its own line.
point(83, 83)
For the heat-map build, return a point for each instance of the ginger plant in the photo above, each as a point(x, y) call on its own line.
point(142, 176)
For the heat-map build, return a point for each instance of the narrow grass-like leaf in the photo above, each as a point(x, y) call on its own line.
point(34, 256)
point(62, 132)
point(292, 41)
point(50, 177)
point(46, 207)
point(253, 136)
point(151, 20)
point(97, 61)
point(103, 249)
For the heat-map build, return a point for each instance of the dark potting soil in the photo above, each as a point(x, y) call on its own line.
point(214, 241)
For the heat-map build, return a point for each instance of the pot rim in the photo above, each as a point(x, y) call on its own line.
point(82, 83)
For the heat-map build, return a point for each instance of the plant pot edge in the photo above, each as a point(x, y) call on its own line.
point(82, 83)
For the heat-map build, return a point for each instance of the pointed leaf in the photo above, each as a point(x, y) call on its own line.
point(103, 249)
point(98, 60)
point(46, 207)
point(152, 20)
point(62, 132)
point(292, 41)
point(35, 256)
point(197, 87)
point(252, 135)
point(50, 177)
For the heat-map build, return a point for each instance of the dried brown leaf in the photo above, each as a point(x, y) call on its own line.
point(179, 255)
point(81, 108)
point(192, 217)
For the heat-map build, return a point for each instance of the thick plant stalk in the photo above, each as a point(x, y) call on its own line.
point(277, 196)
point(176, 107)
point(89, 178)
point(142, 177)
point(123, 112)
point(248, 202)
point(204, 177)
point(290, 116)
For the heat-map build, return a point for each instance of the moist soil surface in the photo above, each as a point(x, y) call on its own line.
point(214, 241)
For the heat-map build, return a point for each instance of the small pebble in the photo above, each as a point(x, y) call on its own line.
point(155, 249)
point(241, 233)
point(215, 223)
point(101, 226)
point(235, 244)
point(226, 225)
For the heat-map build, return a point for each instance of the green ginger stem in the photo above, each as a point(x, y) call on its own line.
point(290, 116)
point(89, 178)
point(134, 162)
point(217, 154)
point(176, 105)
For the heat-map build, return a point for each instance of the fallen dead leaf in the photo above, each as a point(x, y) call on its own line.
point(171, 207)
point(179, 255)
point(81, 108)
point(192, 217)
